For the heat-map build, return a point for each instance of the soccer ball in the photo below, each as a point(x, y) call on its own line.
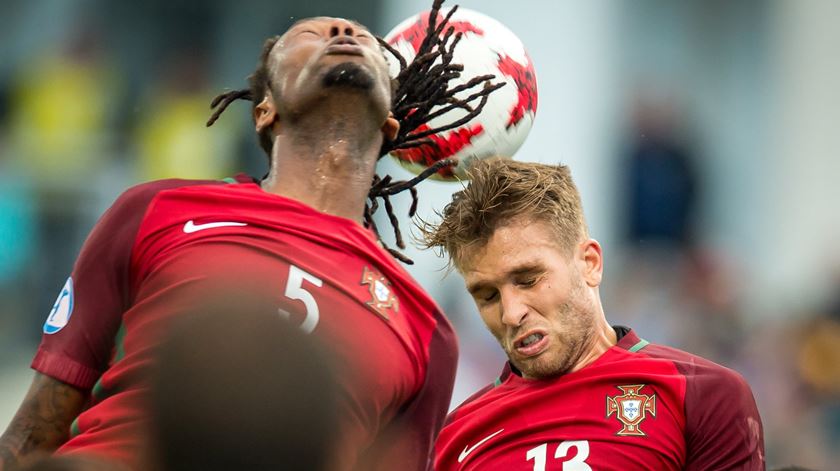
point(486, 47)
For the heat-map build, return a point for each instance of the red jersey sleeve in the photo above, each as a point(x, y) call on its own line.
point(80, 330)
point(413, 433)
point(723, 427)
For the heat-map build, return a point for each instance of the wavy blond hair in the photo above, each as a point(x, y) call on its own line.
point(500, 191)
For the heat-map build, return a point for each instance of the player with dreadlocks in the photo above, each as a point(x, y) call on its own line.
point(325, 110)
point(419, 87)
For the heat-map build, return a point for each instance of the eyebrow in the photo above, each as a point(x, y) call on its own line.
point(527, 269)
point(476, 287)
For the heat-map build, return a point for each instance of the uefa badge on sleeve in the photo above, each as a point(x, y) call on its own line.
point(61, 310)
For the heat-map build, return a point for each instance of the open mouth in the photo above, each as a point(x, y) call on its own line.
point(532, 343)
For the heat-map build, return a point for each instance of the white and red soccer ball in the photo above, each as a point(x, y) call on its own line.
point(486, 47)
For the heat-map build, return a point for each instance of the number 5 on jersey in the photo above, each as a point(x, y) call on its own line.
point(295, 290)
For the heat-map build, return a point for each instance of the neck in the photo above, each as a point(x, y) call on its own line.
point(326, 161)
point(602, 339)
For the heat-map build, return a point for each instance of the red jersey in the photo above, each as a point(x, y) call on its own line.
point(164, 245)
point(638, 406)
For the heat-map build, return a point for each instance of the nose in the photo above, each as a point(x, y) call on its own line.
point(514, 309)
point(342, 27)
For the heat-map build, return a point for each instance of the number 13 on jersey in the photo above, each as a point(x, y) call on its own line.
point(576, 462)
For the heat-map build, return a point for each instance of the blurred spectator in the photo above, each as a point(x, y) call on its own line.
point(61, 111)
point(673, 286)
point(663, 184)
point(818, 358)
point(172, 139)
point(239, 388)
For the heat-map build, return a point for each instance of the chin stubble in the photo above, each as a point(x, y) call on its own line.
point(348, 74)
point(583, 329)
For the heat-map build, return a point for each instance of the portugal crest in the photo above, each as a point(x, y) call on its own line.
point(631, 408)
point(382, 297)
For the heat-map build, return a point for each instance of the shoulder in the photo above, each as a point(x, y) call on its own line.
point(143, 193)
point(459, 411)
point(476, 398)
point(117, 228)
point(131, 205)
point(690, 366)
point(685, 361)
point(699, 372)
point(723, 427)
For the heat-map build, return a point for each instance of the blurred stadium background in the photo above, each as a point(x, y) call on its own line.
point(703, 135)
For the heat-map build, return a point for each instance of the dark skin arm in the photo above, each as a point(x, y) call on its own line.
point(42, 423)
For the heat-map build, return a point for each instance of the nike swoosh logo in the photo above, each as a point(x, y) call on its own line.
point(469, 450)
point(191, 227)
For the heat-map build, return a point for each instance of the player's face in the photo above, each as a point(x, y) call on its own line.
point(537, 298)
point(321, 54)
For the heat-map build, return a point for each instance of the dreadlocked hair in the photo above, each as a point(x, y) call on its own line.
point(260, 83)
point(421, 93)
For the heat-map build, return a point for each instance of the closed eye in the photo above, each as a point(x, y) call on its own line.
point(527, 282)
point(365, 38)
point(485, 296)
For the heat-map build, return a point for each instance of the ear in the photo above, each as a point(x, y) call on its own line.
point(265, 114)
point(391, 127)
point(591, 262)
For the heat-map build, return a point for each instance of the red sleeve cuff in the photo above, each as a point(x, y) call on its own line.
point(65, 370)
